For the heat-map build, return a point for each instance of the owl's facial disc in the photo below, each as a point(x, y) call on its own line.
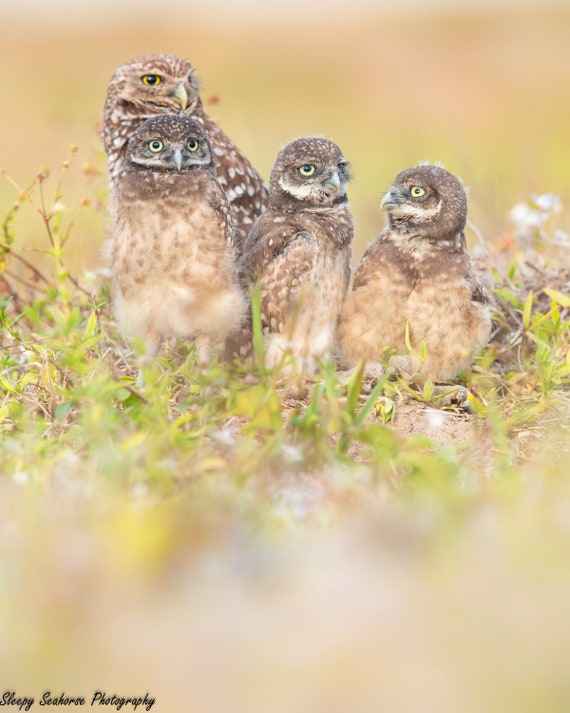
point(161, 90)
point(316, 183)
point(407, 203)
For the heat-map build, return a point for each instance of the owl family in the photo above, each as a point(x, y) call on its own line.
point(298, 252)
point(157, 84)
point(171, 252)
point(194, 223)
point(415, 292)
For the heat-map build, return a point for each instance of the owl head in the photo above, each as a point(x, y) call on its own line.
point(170, 142)
point(309, 171)
point(426, 201)
point(154, 84)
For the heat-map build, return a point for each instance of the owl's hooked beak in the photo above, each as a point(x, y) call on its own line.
point(176, 160)
point(181, 95)
point(390, 199)
point(333, 182)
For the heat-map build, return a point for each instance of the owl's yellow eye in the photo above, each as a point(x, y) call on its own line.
point(151, 80)
point(192, 145)
point(417, 191)
point(307, 170)
point(155, 145)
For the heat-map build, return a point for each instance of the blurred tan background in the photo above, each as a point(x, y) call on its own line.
point(485, 90)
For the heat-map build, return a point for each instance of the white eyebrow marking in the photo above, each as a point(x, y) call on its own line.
point(417, 211)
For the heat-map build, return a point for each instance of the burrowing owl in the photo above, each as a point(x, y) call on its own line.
point(417, 276)
point(156, 84)
point(299, 250)
point(171, 252)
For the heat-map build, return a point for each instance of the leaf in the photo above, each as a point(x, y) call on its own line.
point(353, 387)
point(255, 296)
point(61, 410)
point(133, 442)
point(91, 326)
point(508, 297)
point(386, 409)
point(211, 464)
point(6, 385)
point(407, 340)
point(182, 420)
point(383, 440)
point(527, 310)
point(427, 392)
point(558, 297)
point(370, 401)
point(262, 405)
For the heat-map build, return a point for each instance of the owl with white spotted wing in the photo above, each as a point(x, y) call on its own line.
point(171, 254)
point(299, 252)
point(157, 84)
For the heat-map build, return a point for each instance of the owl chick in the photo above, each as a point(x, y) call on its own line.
point(156, 84)
point(299, 252)
point(417, 276)
point(171, 252)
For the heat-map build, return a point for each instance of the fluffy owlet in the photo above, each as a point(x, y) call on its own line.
point(159, 84)
point(171, 252)
point(417, 275)
point(299, 251)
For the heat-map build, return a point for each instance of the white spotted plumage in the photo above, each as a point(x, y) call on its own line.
point(171, 254)
point(130, 101)
point(299, 252)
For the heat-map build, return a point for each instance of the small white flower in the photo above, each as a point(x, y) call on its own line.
point(292, 454)
point(560, 236)
point(548, 202)
point(531, 218)
point(24, 355)
point(293, 504)
point(139, 492)
point(224, 436)
point(435, 418)
point(21, 477)
point(525, 217)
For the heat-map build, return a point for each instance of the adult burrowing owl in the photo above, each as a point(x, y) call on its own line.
point(171, 252)
point(299, 250)
point(417, 276)
point(156, 84)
